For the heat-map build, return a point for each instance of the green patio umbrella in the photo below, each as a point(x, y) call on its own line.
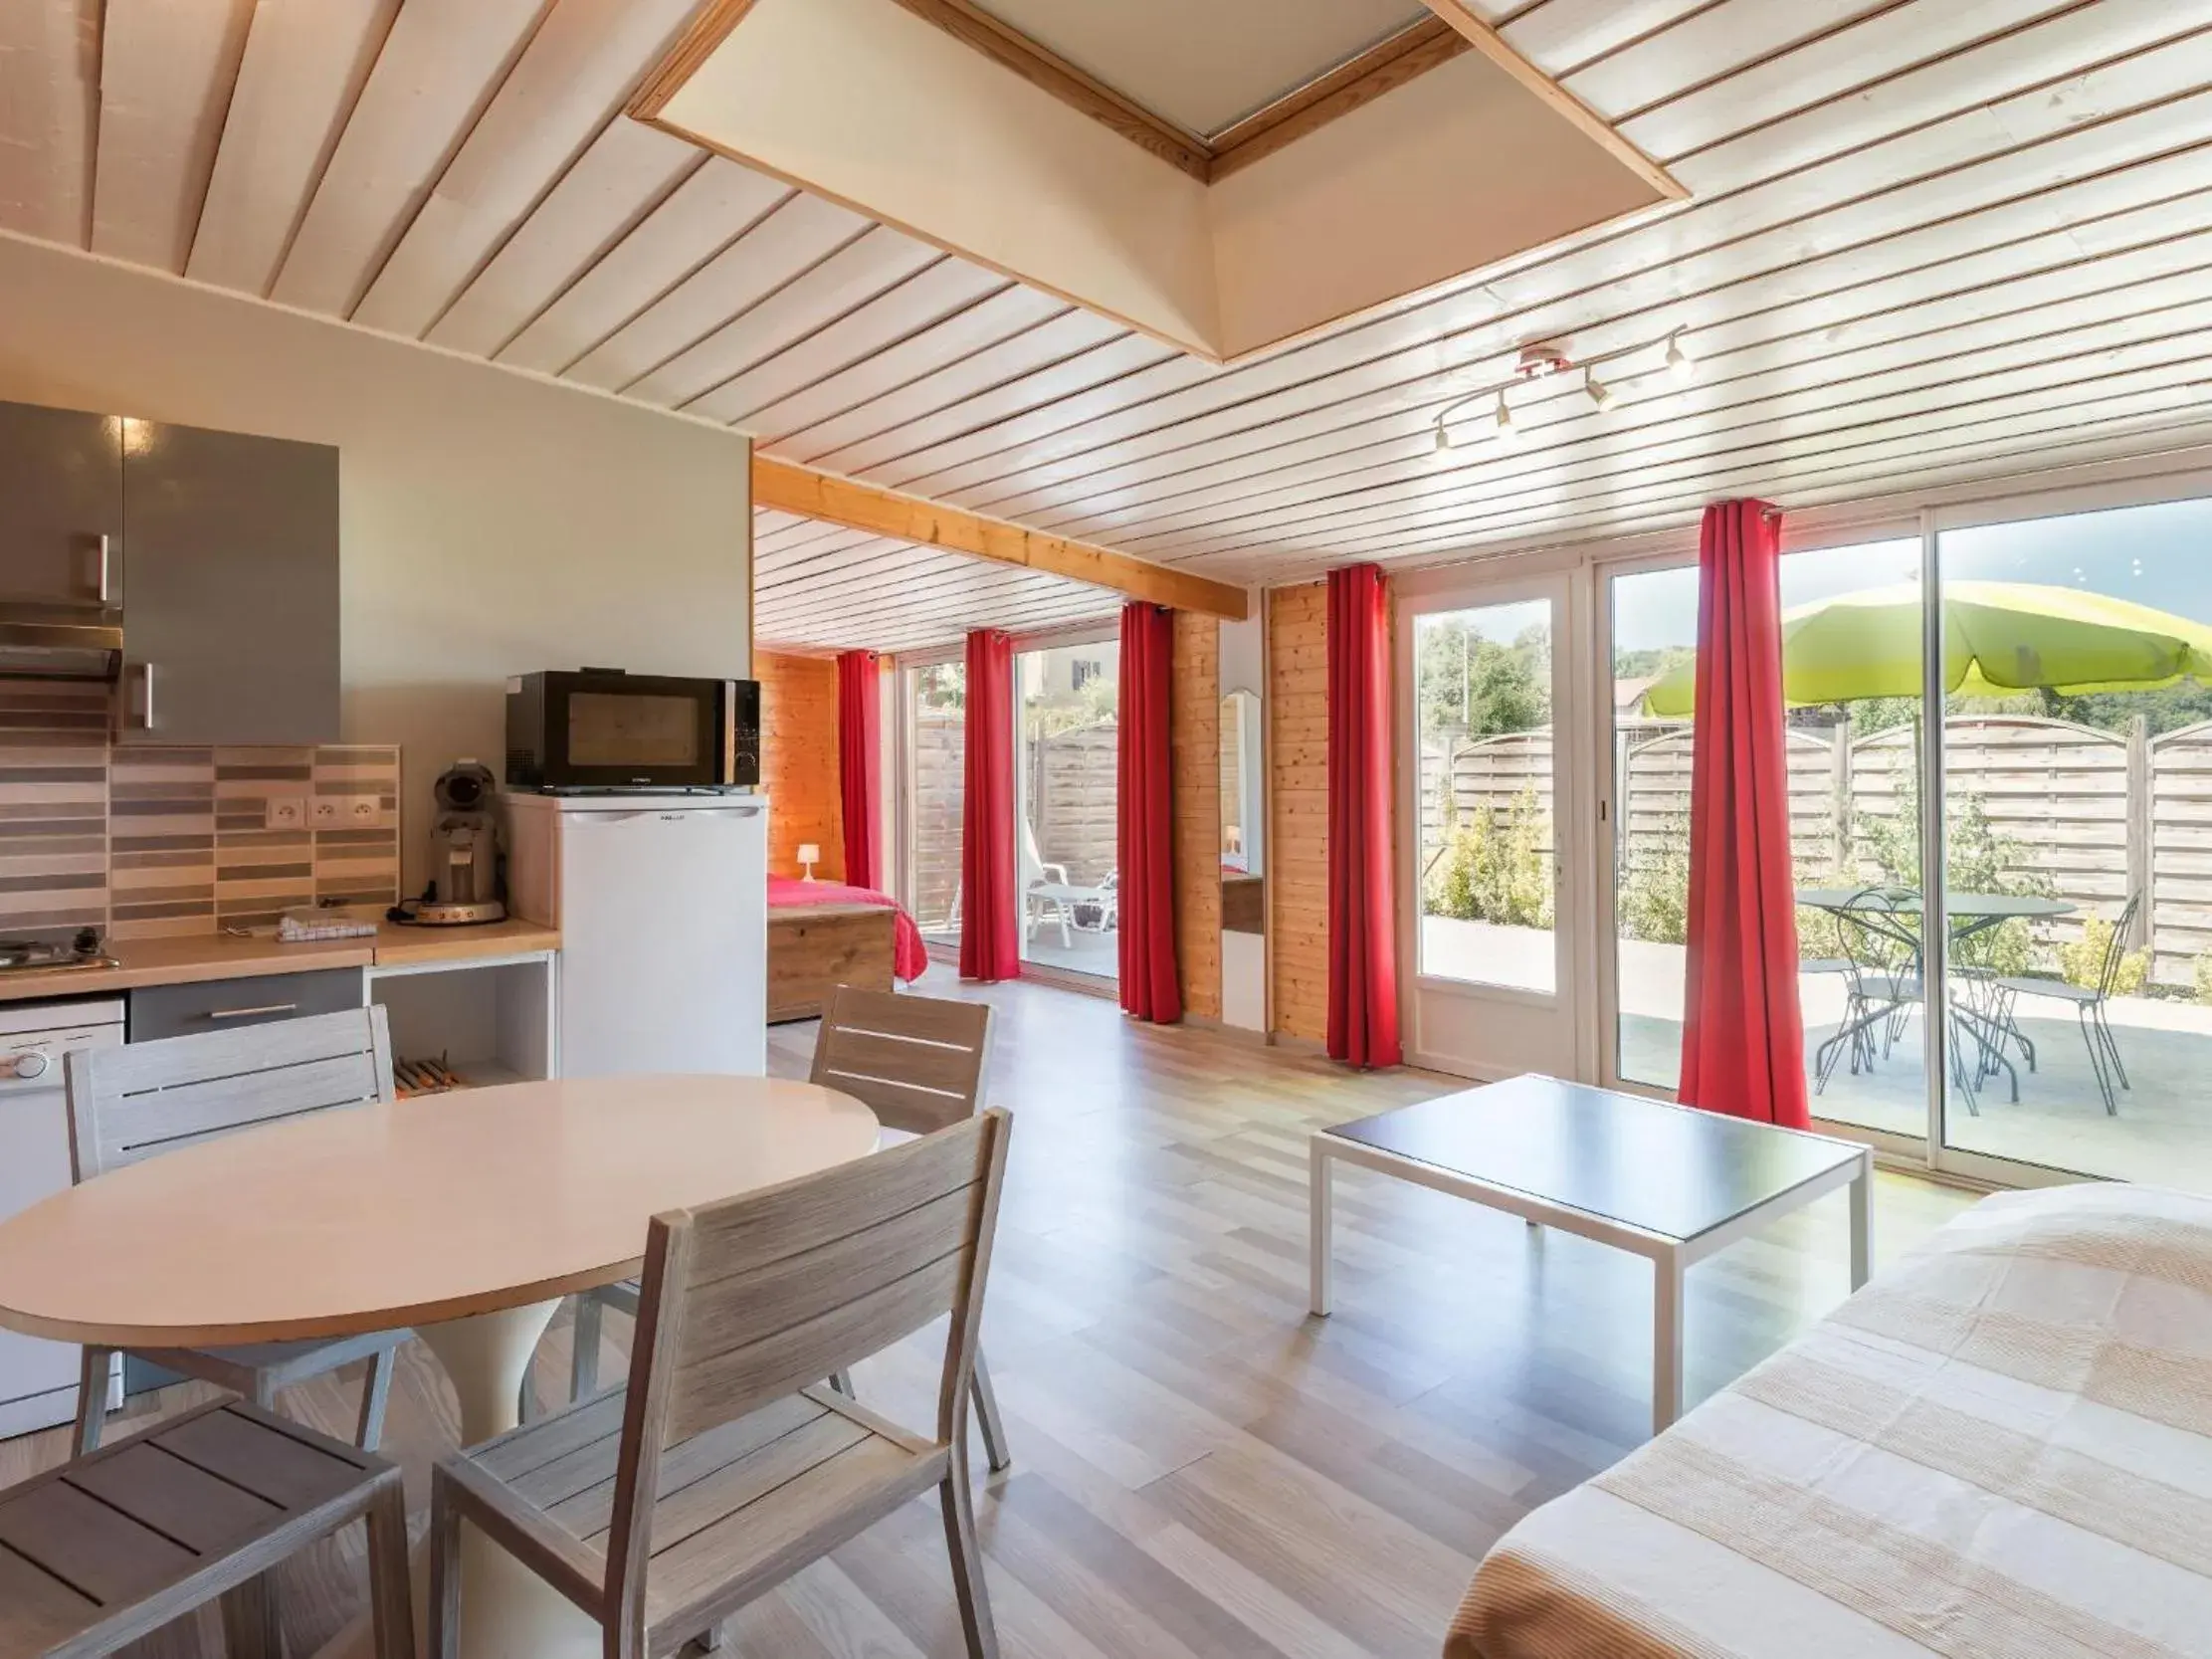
point(1998, 637)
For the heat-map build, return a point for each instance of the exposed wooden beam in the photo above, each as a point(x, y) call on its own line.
point(1411, 51)
point(1491, 45)
point(865, 507)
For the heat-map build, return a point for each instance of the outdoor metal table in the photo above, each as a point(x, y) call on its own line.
point(1968, 914)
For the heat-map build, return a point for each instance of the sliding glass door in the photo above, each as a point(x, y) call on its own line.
point(2036, 997)
point(933, 764)
point(1066, 772)
point(2078, 808)
point(1854, 824)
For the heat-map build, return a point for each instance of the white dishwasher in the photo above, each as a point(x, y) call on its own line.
point(38, 1380)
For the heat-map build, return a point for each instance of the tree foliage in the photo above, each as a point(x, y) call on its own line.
point(1477, 687)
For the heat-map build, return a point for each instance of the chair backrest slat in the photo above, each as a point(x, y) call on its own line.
point(144, 1099)
point(917, 1062)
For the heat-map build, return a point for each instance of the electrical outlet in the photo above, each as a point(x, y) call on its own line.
point(284, 812)
point(346, 812)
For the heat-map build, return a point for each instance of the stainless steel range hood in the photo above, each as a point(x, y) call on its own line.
point(60, 641)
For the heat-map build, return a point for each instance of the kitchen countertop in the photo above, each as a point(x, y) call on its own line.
point(203, 956)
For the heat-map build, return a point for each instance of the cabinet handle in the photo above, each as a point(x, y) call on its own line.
point(252, 1013)
point(146, 717)
point(106, 547)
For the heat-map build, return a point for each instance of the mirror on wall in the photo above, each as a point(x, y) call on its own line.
point(1243, 814)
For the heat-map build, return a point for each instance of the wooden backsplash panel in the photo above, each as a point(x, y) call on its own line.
point(1194, 740)
point(799, 761)
point(155, 842)
point(1298, 851)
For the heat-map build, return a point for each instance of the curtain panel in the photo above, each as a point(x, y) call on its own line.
point(860, 768)
point(1150, 989)
point(1742, 1035)
point(990, 909)
point(1362, 923)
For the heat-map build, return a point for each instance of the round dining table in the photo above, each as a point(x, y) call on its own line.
point(465, 1215)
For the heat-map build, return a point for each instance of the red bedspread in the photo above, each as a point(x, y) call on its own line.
point(909, 956)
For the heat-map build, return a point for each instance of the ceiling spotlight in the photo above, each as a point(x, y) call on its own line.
point(1599, 392)
point(1506, 431)
point(1679, 361)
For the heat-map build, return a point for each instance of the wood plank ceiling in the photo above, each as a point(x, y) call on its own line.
point(821, 586)
point(1929, 240)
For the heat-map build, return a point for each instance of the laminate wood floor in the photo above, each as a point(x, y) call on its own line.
point(1200, 1469)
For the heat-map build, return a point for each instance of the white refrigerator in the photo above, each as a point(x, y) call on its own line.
point(662, 902)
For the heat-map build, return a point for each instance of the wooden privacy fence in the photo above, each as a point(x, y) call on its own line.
point(1070, 783)
point(2096, 815)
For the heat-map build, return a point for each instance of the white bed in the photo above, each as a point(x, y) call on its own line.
point(2000, 1449)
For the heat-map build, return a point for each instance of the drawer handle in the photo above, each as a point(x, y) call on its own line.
point(251, 1014)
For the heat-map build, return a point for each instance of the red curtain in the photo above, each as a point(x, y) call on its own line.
point(990, 930)
point(860, 706)
point(1150, 989)
point(1743, 1040)
point(1363, 931)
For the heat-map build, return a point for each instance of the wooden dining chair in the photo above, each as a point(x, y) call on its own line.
point(105, 1550)
point(139, 1100)
point(919, 1063)
point(724, 1465)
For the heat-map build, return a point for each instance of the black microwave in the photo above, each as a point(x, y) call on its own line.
point(602, 729)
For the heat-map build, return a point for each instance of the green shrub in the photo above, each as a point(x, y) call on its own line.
point(1654, 897)
point(2201, 972)
point(1493, 867)
point(2084, 961)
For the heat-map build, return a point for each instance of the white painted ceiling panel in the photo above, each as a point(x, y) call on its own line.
point(571, 80)
point(48, 117)
point(442, 64)
point(304, 64)
point(165, 78)
point(1929, 240)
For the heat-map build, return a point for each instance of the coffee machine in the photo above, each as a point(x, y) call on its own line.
point(464, 853)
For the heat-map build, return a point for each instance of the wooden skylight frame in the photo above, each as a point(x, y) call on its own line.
point(1413, 51)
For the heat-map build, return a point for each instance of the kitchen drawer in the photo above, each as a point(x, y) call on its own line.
point(226, 1004)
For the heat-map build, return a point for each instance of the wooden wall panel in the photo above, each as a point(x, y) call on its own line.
point(1297, 806)
point(798, 760)
point(1194, 736)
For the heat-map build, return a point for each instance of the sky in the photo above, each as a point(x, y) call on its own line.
point(2158, 555)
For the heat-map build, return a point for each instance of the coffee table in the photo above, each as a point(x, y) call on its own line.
point(1667, 1183)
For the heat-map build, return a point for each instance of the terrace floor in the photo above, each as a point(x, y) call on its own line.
point(2162, 1133)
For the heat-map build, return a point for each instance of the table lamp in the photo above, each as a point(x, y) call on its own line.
point(809, 855)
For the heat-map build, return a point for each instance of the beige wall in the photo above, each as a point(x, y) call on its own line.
point(490, 525)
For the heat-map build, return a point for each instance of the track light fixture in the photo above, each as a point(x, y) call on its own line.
point(1547, 358)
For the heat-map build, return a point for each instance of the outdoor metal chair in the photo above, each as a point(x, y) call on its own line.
point(2088, 1002)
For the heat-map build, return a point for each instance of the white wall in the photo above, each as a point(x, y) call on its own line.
point(490, 525)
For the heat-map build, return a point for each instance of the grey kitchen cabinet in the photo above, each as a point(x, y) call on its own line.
point(61, 506)
point(158, 1012)
point(230, 630)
